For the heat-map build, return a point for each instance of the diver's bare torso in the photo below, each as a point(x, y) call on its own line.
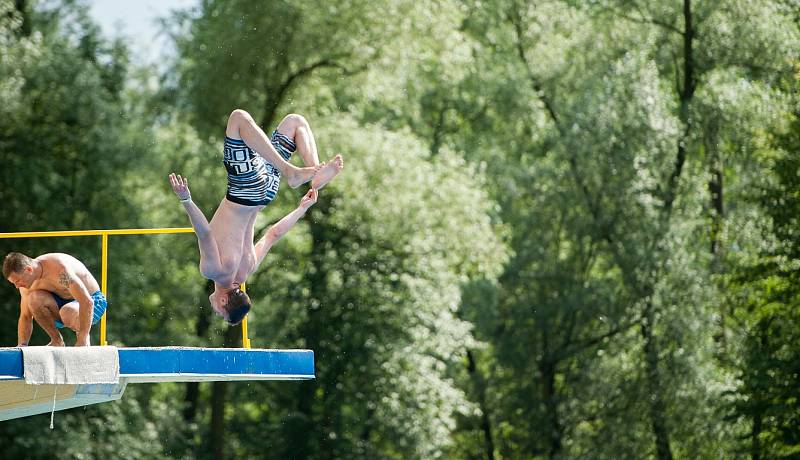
point(232, 229)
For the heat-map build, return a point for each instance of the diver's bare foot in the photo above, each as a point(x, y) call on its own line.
point(82, 341)
point(56, 343)
point(300, 176)
point(327, 172)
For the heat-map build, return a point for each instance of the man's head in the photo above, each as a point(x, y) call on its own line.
point(19, 269)
point(232, 304)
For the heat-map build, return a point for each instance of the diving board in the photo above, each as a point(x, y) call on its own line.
point(148, 365)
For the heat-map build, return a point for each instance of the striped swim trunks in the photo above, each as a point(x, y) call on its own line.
point(253, 181)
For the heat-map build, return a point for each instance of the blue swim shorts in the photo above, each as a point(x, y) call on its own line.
point(100, 304)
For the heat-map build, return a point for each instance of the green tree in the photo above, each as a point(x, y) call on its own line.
point(259, 55)
point(642, 131)
point(765, 298)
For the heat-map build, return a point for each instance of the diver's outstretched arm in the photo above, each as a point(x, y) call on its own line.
point(210, 261)
point(280, 228)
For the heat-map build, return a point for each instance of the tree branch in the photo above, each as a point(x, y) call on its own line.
point(275, 97)
point(642, 18)
point(590, 342)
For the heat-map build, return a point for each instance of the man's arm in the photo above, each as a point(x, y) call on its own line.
point(180, 185)
point(25, 323)
point(77, 288)
point(280, 228)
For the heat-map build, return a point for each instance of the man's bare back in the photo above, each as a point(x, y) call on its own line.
point(59, 271)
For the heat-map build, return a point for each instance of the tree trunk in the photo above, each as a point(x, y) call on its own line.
point(658, 412)
point(555, 431)
point(757, 394)
point(439, 129)
point(480, 389)
point(310, 433)
point(218, 420)
point(717, 210)
point(755, 452)
point(25, 28)
point(686, 95)
point(193, 388)
point(271, 104)
point(232, 336)
point(366, 432)
point(715, 188)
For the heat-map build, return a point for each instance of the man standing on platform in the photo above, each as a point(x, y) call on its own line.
point(57, 290)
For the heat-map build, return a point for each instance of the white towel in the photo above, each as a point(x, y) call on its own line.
point(70, 365)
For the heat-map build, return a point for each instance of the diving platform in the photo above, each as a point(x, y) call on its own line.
point(19, 397)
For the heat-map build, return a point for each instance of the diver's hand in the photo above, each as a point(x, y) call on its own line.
point(308, 199)
point(180, 185)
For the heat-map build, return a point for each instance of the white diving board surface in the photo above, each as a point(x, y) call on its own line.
point(142, 365)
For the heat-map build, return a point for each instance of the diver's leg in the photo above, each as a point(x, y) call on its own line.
point(296, 128)
point(242, 126)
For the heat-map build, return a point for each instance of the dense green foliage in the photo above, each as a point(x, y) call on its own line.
point(566, 229)
point(764, 298)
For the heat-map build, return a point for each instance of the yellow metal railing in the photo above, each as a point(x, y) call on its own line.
point(104, 270)
point(245, 339)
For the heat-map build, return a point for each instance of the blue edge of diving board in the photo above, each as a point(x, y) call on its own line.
point(178, 364)
point(140, 365)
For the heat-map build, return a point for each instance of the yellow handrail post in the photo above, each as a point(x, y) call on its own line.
point(104, 287)
point(245, 340)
